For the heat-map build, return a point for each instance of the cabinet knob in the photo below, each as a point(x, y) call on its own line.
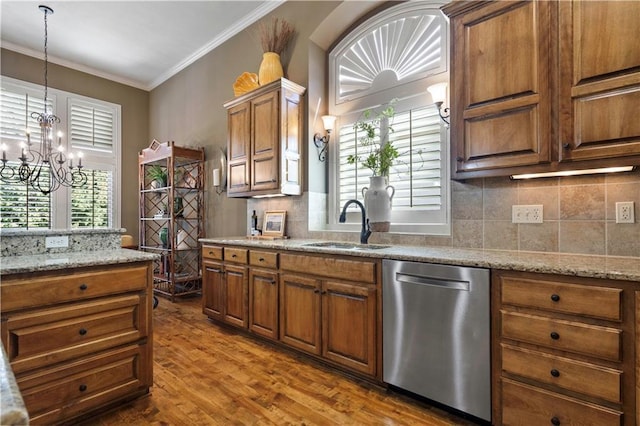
point(555, 421)
point(234, 256)
point(459, 159)
point(83, 331)
point(82, 388)
point(566, 145)
point(210, 253)
point(316, 291)
point(261, 259)
point(555, 297)
point(555, 373)
point(273, 282)
point(554, 335)
point(83, 287)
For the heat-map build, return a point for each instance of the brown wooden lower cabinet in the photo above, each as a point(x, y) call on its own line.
point(312, 311)
point(560, 360)
point(263, 302)
point(349, 325)
point(213, 290)
point(528, 405)
point(300, 314)
point(78, 340)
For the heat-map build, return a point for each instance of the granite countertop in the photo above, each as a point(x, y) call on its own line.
point(611, 267)
point(13, 410)
point(57, 261)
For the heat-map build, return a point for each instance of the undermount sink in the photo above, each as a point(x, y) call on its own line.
point(346, 246)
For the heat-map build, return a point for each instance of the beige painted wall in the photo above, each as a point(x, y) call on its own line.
point(135, 116)
point(188, 107)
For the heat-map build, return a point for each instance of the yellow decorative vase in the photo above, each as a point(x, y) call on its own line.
point(270, 68)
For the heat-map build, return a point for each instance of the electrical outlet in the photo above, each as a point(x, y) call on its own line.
point(527, 213)
point(57, 242)
point(625, 212)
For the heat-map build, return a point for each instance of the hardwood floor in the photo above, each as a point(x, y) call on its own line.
point(205, 374)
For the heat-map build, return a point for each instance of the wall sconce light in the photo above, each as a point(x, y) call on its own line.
point(323, 141)
point(439, 95)
point(217, 177)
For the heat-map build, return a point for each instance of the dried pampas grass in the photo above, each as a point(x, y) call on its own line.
point(275, 35)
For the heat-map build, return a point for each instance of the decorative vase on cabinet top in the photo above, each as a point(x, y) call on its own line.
point(270, 68)
point(377, 202)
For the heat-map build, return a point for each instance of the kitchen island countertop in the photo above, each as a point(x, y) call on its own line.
point(609, 267)
point(57, 261)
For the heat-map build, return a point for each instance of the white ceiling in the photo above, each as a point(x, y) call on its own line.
point(139, 43)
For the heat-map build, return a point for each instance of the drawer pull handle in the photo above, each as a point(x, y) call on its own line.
point(261, 259)
point(555, 421)
point(83, 287)
point(316, 291)
point(555, 373)
point(234, 256)
point(210, 253)
point(555, 297)
point(273, 282)
point(83, 331)
point(82, 388)
point(554, 335)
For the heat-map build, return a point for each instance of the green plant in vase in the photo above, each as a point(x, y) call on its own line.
point(157, 175)
point(379, 154)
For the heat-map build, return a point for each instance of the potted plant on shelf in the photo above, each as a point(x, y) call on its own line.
point(379, 155)
point(157, 176)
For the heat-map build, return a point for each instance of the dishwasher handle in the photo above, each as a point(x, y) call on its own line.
point(434, 282)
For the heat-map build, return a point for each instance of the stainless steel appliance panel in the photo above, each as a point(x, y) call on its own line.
point(436, 333)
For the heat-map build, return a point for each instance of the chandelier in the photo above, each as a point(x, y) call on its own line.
point(43, 166)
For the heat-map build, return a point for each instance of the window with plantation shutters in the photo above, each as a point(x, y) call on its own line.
point(91, 127)
point(91, 205)
point(395, 54)
point(22, 207)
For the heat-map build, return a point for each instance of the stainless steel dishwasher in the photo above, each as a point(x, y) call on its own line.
point(436, 333)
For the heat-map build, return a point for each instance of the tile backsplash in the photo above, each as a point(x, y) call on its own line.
point(579, 216)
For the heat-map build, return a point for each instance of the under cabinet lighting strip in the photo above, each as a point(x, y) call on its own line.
point(573, 172)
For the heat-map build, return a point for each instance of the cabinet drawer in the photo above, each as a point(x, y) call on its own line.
point(212, 252)
point(266, 259)
point(51, 289)
point(582, 377)
point(600, 342)
point(596, 302)
point(47, 336)
point(353, 270)
point(236, 255)
point(527, 405)
point(59, 393)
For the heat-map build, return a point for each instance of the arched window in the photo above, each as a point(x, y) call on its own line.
point(392, 58)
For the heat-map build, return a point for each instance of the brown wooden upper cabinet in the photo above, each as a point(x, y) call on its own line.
point(543, 86)
point(265, 140)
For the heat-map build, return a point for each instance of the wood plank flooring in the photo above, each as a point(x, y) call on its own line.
point(205, 374)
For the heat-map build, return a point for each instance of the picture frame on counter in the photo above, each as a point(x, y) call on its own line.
point(274, 223)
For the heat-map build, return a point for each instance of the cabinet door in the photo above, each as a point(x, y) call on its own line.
point(213, 290)
point(263, 302)
point(300, 312)
point(349, 325)
point(500, 92)
point(600, 72)
point(265, 134)
point(239, 123)
point(235, 292)
point(291, 113)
